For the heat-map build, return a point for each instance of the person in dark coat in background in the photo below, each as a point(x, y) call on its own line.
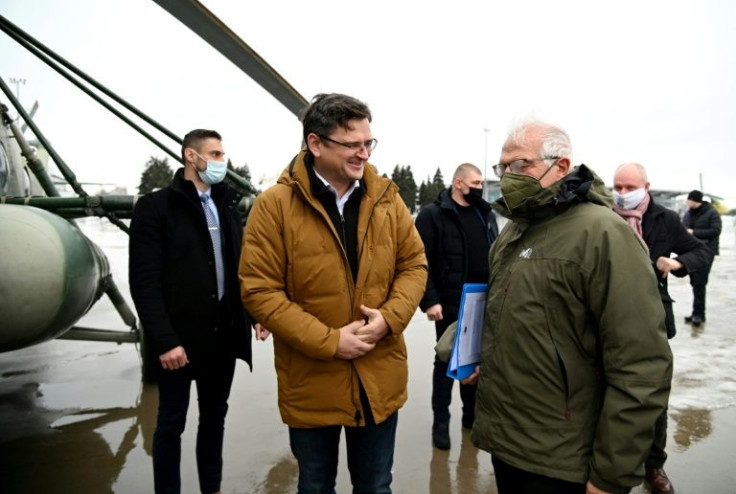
point(664, 234)
point(703, 222)
point(184, 252)
point(457, 230)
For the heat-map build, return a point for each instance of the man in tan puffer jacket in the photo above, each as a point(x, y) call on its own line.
point(333, 266)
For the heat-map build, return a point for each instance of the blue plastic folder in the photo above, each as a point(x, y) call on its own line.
point(466, 349)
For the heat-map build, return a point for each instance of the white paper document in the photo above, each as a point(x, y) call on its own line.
point(466, 350)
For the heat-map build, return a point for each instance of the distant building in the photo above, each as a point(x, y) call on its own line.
point(491, 190)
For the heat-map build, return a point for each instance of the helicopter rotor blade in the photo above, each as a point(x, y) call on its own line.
point(31, 113)
point(206, 25)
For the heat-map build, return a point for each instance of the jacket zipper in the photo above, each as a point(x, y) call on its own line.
point(347, 271)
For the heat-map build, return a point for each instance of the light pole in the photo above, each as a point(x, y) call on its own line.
point(485, 164)
point(17, 82)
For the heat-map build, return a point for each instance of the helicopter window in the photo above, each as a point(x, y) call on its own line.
point(3, 169)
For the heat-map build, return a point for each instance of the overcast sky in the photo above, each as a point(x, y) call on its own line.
point(647, 81)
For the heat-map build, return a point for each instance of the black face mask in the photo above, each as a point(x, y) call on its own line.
point(474, 195)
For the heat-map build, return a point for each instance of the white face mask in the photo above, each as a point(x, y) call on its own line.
point(629, 200)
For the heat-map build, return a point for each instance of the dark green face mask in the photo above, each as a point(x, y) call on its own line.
point(516, 189)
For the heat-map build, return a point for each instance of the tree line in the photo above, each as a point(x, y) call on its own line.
point(415, 197)
point(158, 174)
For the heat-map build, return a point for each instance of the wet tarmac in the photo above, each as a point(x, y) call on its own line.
point(75, 418)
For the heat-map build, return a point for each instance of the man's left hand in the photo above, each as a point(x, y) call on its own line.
point(591, 489)
point(375, 327)
point(667, 265)
point(472, 378)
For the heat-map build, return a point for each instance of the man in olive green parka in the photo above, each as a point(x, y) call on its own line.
point(575, 365)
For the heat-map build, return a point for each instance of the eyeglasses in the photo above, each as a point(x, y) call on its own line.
point(518, 166)
point(370, 145)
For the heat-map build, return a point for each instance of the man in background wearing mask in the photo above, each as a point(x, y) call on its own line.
point(184, 251)
point(663, 233)
point(704, 223)
point(575, 366)
point(457, 230)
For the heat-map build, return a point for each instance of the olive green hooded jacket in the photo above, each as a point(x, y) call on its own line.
point(575, 365)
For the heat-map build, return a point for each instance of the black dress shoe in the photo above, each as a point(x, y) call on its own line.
point(697, 320)
point(688, 319)
point(441, 435)
point(658, 481)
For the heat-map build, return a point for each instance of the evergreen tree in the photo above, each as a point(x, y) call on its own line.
point(243, 171)
point(404, 179)
point(438, 180)
point(423, 199)
point(158, 174)
point(433, 189)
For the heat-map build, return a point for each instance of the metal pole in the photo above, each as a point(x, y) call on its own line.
point(17, 82)
point(485, 164)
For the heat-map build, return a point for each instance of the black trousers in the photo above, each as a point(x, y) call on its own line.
point(442, 387)
point(657, 454)
point(511, 480)
point(213, 379)
point(698, 281)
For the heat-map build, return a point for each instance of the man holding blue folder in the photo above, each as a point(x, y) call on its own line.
point(457, 230)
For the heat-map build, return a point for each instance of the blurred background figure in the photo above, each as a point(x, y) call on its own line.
point(457, 230)
point(704, 223)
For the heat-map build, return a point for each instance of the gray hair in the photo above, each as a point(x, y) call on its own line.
point(554, 140)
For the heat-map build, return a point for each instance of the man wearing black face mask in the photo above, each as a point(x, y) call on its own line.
point(457, 230)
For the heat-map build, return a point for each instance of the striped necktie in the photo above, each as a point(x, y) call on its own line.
point(214, 230)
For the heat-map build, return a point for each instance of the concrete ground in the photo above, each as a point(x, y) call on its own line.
point(74, 416)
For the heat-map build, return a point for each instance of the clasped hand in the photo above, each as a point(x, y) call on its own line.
point(360, 337)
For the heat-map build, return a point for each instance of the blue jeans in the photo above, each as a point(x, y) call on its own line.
point(370, 456)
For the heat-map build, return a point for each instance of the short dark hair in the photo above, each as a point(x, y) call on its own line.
point(328, 111)
point(194, 140)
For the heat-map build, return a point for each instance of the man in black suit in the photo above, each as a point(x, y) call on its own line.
point(184, 252)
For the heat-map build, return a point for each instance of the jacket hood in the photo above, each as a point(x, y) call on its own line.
point(580, 185)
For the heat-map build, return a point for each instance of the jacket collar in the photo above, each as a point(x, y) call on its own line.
point(297, 175)
point(580, 185)
point(219, 192)
point(649, 218)
point(445, 201)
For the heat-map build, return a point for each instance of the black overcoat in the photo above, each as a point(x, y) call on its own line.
point(172, 275)
point(665, 234)
point(447, 254)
